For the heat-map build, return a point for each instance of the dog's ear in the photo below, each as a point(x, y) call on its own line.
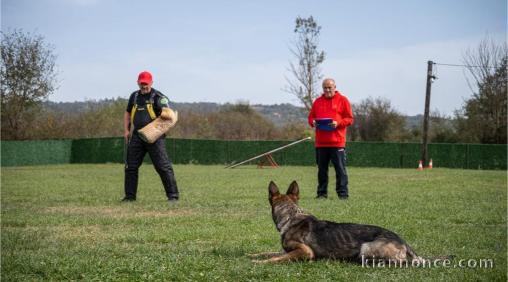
point(273, 190)
point(293, 190)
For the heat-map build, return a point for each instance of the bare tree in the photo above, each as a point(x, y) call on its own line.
point(28, 76)
point(484, 116)
point(483, 61)
point(306, 72)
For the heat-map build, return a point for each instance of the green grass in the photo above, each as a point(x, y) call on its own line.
point(65, 222)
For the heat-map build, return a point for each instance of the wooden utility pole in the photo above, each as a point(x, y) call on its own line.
point(425, 134)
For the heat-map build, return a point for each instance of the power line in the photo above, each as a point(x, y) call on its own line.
point(468, 66)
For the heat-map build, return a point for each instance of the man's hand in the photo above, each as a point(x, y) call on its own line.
point(313, 123)
point(333, 124)
point(126, 135)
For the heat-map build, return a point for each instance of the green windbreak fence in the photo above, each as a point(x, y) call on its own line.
point(100, 150)
point(19, 153)
point(184, 151)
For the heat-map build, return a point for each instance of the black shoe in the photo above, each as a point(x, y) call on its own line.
point(128, 200)
point(321, 197)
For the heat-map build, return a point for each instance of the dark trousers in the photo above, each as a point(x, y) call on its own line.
point(338, 158)
point(136, 152)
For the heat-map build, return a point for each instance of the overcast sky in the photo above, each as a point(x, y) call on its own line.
point(226, 51)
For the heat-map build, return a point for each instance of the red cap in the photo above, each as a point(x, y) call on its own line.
point(145, 77)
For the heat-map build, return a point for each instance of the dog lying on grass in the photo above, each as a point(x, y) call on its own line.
point(304, 237)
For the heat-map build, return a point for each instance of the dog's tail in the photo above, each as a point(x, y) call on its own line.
point(413, 257)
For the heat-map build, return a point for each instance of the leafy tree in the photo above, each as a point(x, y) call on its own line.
point(54, 125)
point(192, 124)
point(294, 131)
point(93, 119)
point(28, 76)
point(306, 72)
point(376, 120)
point(483, 117)
point(232, 122)
point(241, 122)
point(100, 119)
point(442, 129)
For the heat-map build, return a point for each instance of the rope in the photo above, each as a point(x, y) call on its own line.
point(468, 66)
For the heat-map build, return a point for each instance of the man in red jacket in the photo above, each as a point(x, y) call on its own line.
point(331, 114)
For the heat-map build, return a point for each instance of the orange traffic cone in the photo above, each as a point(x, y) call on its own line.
point(420, 165)
point(430, 164)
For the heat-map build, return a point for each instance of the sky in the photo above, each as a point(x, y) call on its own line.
point(227, 51)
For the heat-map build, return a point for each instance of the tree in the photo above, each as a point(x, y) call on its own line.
point(442, 129)
point(306, 71)
point(483, 118)
point(28, 76)
point(241, 122)
point(376, 120)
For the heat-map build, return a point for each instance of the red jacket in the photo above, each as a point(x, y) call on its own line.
point(337, 108)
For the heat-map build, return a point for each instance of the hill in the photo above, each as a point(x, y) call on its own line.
point(279, 114)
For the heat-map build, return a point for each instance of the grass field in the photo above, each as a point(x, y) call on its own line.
point(65, 222)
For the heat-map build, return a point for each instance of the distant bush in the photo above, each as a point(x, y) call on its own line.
point(104, 119)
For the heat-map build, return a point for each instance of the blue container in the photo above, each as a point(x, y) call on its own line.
point(324, 124)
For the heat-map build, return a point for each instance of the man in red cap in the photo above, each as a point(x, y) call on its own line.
point(331, 114)
point(145, 105)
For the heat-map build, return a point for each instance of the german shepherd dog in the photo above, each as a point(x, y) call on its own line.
point(304, 237)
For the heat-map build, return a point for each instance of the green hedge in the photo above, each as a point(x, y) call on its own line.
point(183, 151)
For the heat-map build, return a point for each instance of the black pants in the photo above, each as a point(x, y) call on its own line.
point(136, 152)
point(338, 157)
